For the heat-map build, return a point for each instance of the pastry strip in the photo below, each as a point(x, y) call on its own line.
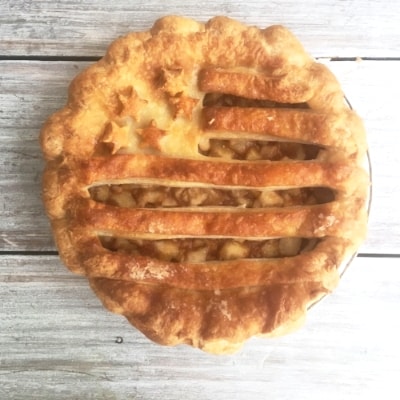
point(283, 89)
point(304, 126)
point(216, 274)
point(156, 169)
point(307, 221)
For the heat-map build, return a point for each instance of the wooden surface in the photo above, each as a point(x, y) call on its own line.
point(57, 342)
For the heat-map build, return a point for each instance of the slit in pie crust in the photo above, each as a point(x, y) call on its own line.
point(208, 180)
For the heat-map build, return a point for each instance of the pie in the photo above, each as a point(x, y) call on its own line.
point(208, 180)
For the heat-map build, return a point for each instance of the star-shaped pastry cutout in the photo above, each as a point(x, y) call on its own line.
point(150, 136)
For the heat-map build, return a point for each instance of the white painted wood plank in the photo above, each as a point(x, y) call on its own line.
point(23, 223)
point(84, 28)
point(56, 341)
point(373, 96)
point(30, 91)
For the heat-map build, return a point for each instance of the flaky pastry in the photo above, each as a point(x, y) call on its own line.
point(207, 179)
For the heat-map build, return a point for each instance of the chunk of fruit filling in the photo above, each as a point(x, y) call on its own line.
point(154, 196)
point(197, 250)
point(257, 150)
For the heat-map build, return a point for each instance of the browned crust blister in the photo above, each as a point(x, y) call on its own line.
point(139, 116)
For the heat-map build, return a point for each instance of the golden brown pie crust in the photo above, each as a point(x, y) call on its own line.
point(141, 116)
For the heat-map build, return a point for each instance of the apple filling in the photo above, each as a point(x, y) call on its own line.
point(195, 250)
point(254, 150)
point(155, 196)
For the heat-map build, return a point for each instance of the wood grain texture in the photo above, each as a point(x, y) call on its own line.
point(56, 341)
point(364, 28)
point(30, 91)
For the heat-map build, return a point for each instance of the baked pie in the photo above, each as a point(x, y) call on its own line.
point(208, 180)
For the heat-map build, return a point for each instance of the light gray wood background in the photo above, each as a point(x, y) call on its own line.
point(57, 342)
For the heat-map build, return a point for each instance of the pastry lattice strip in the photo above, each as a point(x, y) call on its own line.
point(215, 275)
point(307, 221)
point(293, 88)
point(301, 126)
point(130, 168)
